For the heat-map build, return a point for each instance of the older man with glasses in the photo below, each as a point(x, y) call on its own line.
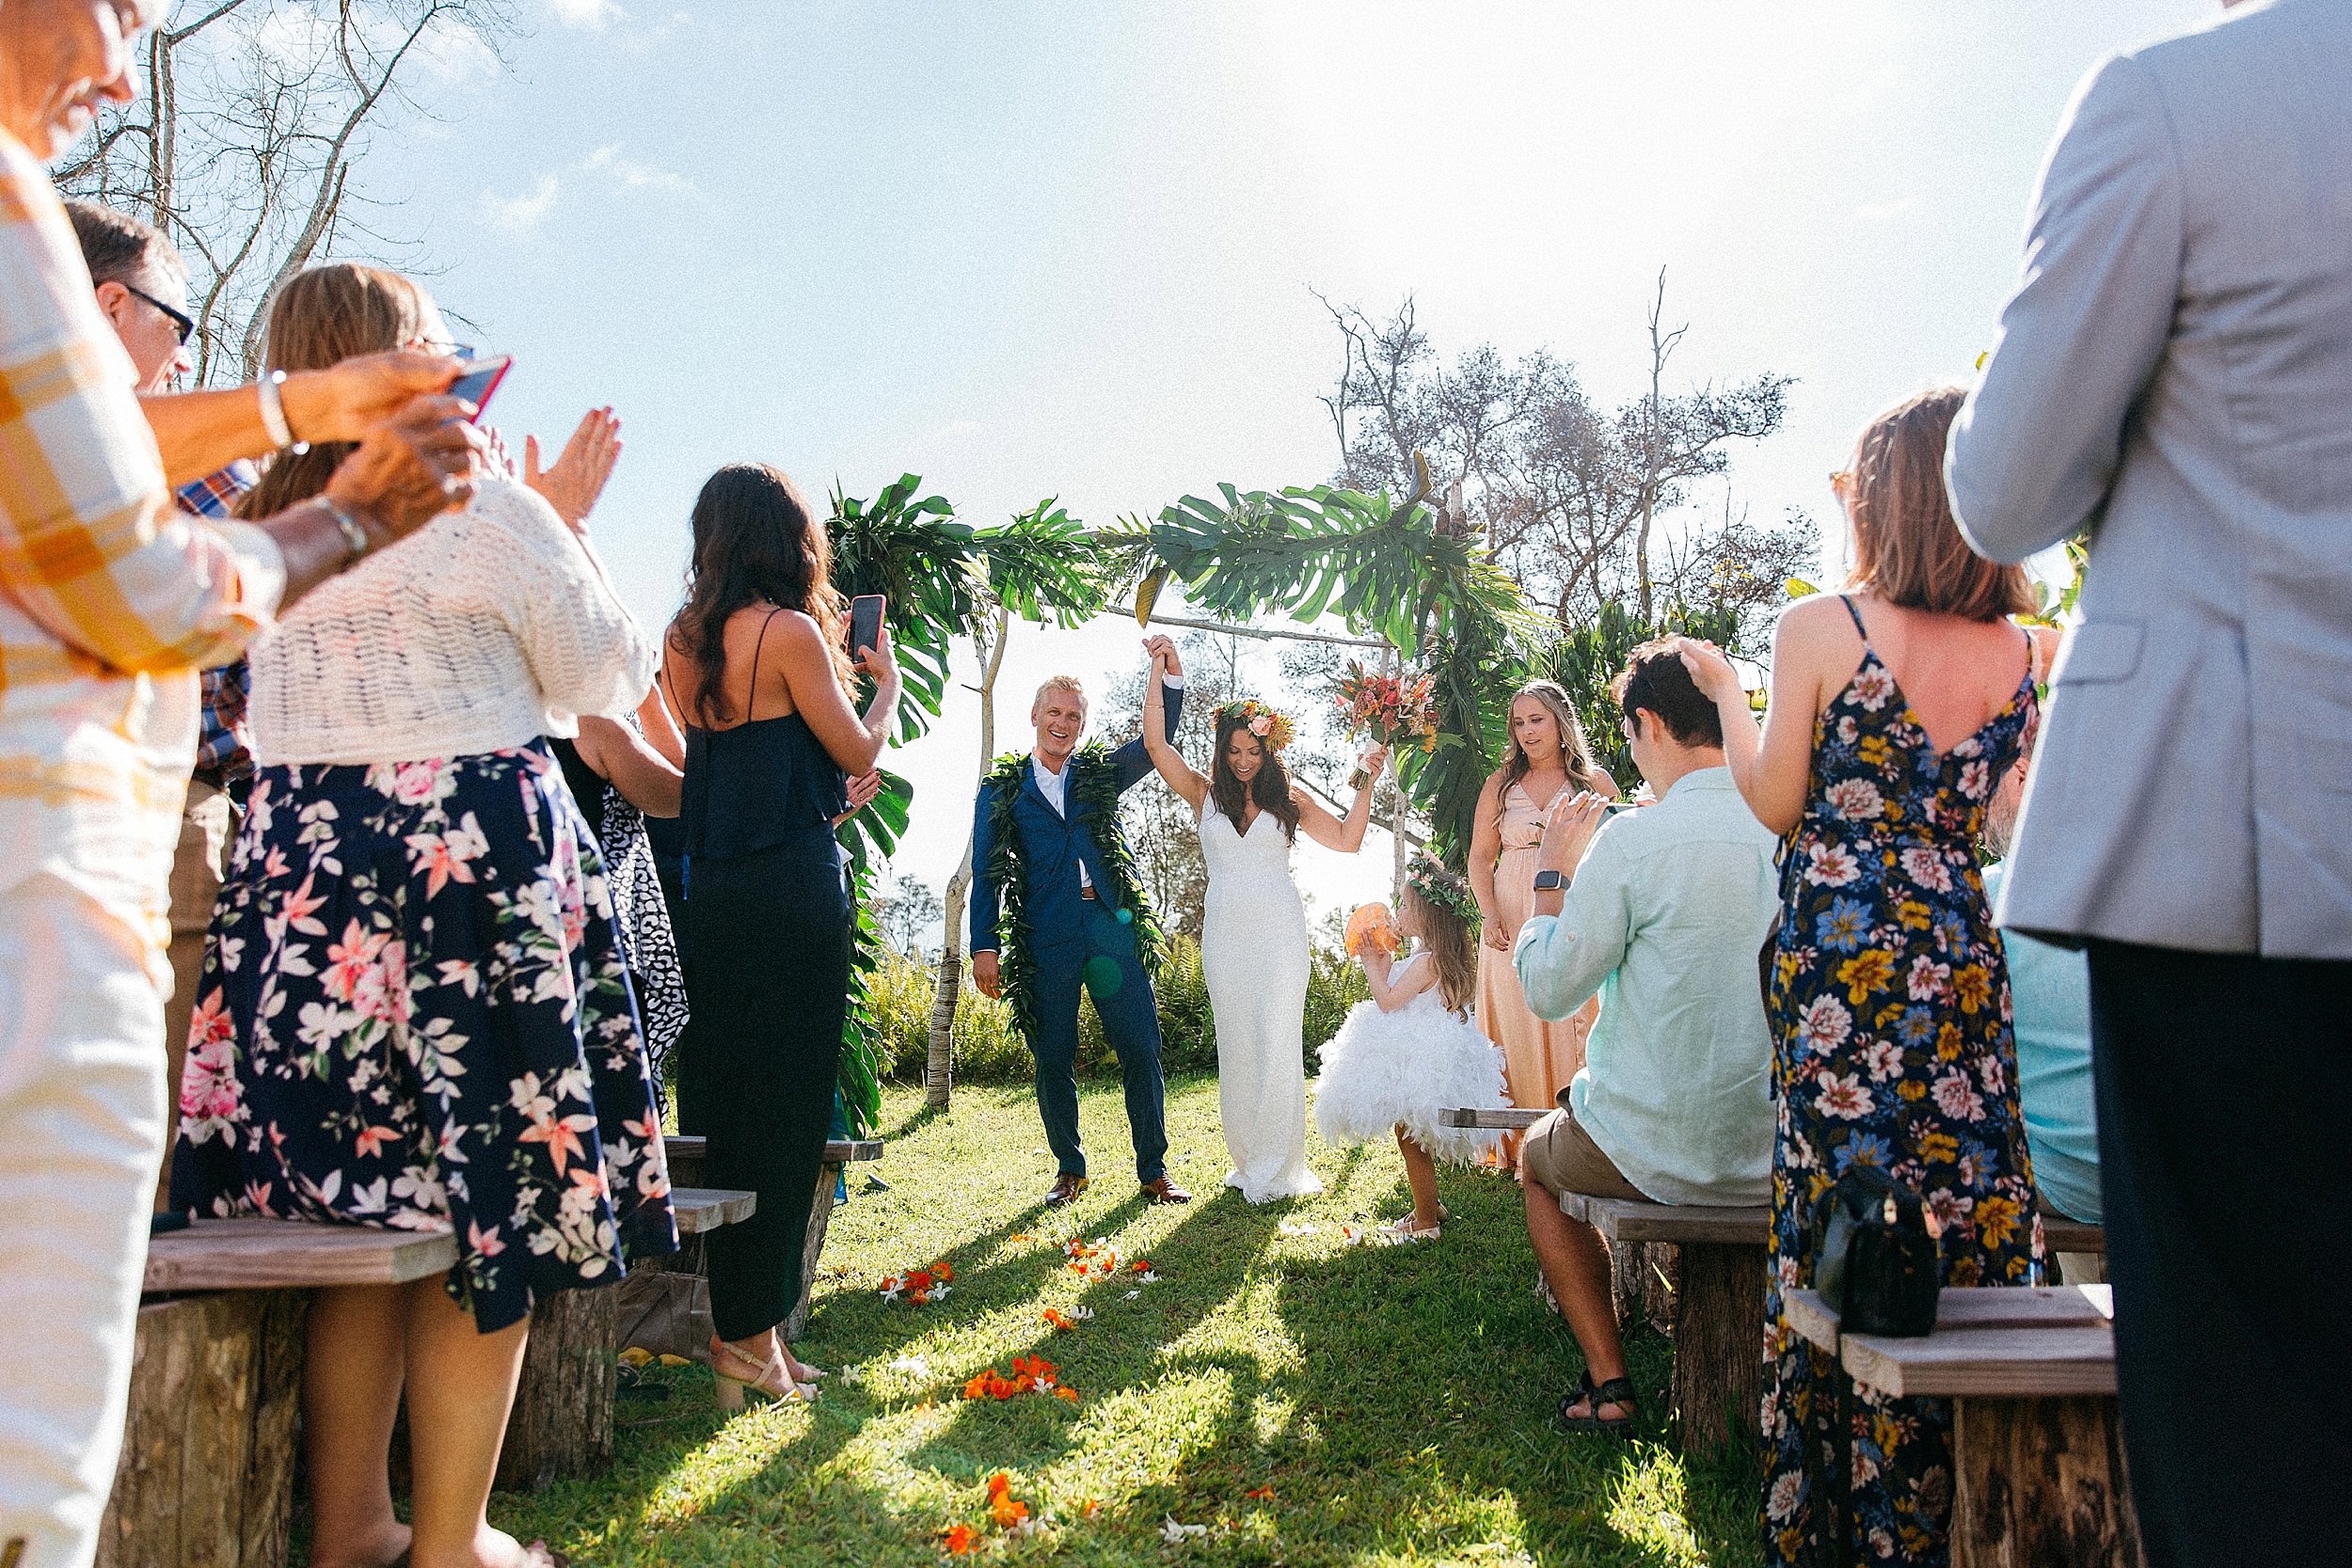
point(134, 272)
point(110, 599)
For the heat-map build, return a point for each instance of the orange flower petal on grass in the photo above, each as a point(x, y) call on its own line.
point(1069, 1394)
point(960, 1540)
point(1007, 1512)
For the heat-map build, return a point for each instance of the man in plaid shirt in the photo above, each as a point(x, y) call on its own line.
point(110, 599)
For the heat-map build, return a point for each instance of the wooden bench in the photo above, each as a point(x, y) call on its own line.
point(2038, 1466)
point(1716, 1310)
point(209, 1442)
point(687, 1157)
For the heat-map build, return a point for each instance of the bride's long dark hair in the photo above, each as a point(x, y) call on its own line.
point(756, 540)
point(1270, 788)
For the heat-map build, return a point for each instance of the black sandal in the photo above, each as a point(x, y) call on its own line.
point(1617, 1391)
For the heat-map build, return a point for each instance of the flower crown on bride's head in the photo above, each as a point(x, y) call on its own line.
point(1272, 729)
point(1441, 888)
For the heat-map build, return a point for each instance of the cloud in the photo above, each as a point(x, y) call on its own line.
point(634, 173)
point(522, 213)
point(595, 15)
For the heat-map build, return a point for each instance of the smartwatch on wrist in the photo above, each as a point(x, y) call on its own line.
point(1550, 881)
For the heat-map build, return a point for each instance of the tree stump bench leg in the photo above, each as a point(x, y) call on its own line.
point(208, 1446)
point(2041, 1483)
point(562, 1423)
point(1718, 1341)
point(819, 1219)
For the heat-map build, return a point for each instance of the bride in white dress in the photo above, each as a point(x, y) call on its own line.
point(1253, 935)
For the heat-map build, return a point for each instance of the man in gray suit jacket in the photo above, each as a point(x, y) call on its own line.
point(2174, 375)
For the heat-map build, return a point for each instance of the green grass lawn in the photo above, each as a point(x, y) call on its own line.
point(1390, 1405)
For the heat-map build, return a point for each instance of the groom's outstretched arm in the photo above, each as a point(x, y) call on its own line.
point(1134, 760)
point(987, 898)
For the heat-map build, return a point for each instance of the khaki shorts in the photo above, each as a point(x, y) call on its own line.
point(1560, 1157)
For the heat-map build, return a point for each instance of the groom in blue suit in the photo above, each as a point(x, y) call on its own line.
point(1075, 921)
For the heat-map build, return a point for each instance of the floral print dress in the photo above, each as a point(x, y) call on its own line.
point(415, 1014)
point(1889, 1004)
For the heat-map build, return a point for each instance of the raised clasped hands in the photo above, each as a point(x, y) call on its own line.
point(1166, 663)
point(1568, 829)
point(1710, 671)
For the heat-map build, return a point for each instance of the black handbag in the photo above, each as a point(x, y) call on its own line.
point(1875, 1260)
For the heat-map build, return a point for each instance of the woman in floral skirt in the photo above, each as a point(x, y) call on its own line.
point(1895, 708)
point(414, 1011)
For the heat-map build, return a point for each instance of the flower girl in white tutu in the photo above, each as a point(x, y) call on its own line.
point(1412, 1049)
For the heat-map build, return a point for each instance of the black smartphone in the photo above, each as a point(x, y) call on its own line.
point(866, 622)
point(480, 379)
point(1614, 807)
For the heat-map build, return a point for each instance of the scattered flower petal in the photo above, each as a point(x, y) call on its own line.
point(1175, 1534)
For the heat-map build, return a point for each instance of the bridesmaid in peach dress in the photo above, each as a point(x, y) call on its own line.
point(1547, 755)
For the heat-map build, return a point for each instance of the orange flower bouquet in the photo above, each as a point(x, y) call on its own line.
point(1373, 922)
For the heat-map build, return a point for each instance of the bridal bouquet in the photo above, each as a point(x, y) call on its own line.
point(1398, 710)
point(1374, 924)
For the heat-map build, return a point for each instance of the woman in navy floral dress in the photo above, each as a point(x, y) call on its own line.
point(1888, 994)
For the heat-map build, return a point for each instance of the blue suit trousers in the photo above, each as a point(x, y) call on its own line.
point(1103, 961)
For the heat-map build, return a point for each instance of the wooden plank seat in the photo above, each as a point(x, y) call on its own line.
point(2038, 1467)
point(207, 1469)
point(1718, 1301)
point(686, 1156)
point(1503, 1118)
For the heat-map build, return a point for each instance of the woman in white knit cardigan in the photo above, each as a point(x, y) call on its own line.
point(414, 1011)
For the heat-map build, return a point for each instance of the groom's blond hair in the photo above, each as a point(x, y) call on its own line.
point(1059, 682)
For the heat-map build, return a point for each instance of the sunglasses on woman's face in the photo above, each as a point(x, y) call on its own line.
point(182, 321)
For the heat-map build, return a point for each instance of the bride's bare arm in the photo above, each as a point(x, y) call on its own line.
point(1181, 775)
point(1346, 836)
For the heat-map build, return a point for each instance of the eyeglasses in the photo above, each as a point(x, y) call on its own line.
point(180, 319)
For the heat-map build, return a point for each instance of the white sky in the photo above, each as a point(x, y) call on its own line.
point(1027, 249)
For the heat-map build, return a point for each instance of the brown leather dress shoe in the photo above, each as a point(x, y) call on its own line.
point(1066, 1187)
point(1164, 1191)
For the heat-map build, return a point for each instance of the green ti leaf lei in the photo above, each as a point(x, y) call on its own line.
point(1094, 783)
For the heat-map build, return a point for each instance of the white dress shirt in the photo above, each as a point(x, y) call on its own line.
point(1056, 786)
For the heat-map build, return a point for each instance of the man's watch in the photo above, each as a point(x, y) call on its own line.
point(1550, 881)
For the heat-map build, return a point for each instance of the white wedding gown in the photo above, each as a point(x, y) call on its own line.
point(1253, 953)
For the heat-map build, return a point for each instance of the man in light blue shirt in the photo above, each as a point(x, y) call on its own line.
point(1667, 909)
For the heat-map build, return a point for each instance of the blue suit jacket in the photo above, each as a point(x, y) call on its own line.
point(1052, 848)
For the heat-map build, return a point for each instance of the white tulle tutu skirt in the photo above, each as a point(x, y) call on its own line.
point(1385, 1070)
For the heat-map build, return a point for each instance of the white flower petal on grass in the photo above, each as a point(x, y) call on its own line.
point(1174, 1533)
point(1081, 1314)
point(851, 1377)
point(1131, 1294)
point(1147, 1278)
